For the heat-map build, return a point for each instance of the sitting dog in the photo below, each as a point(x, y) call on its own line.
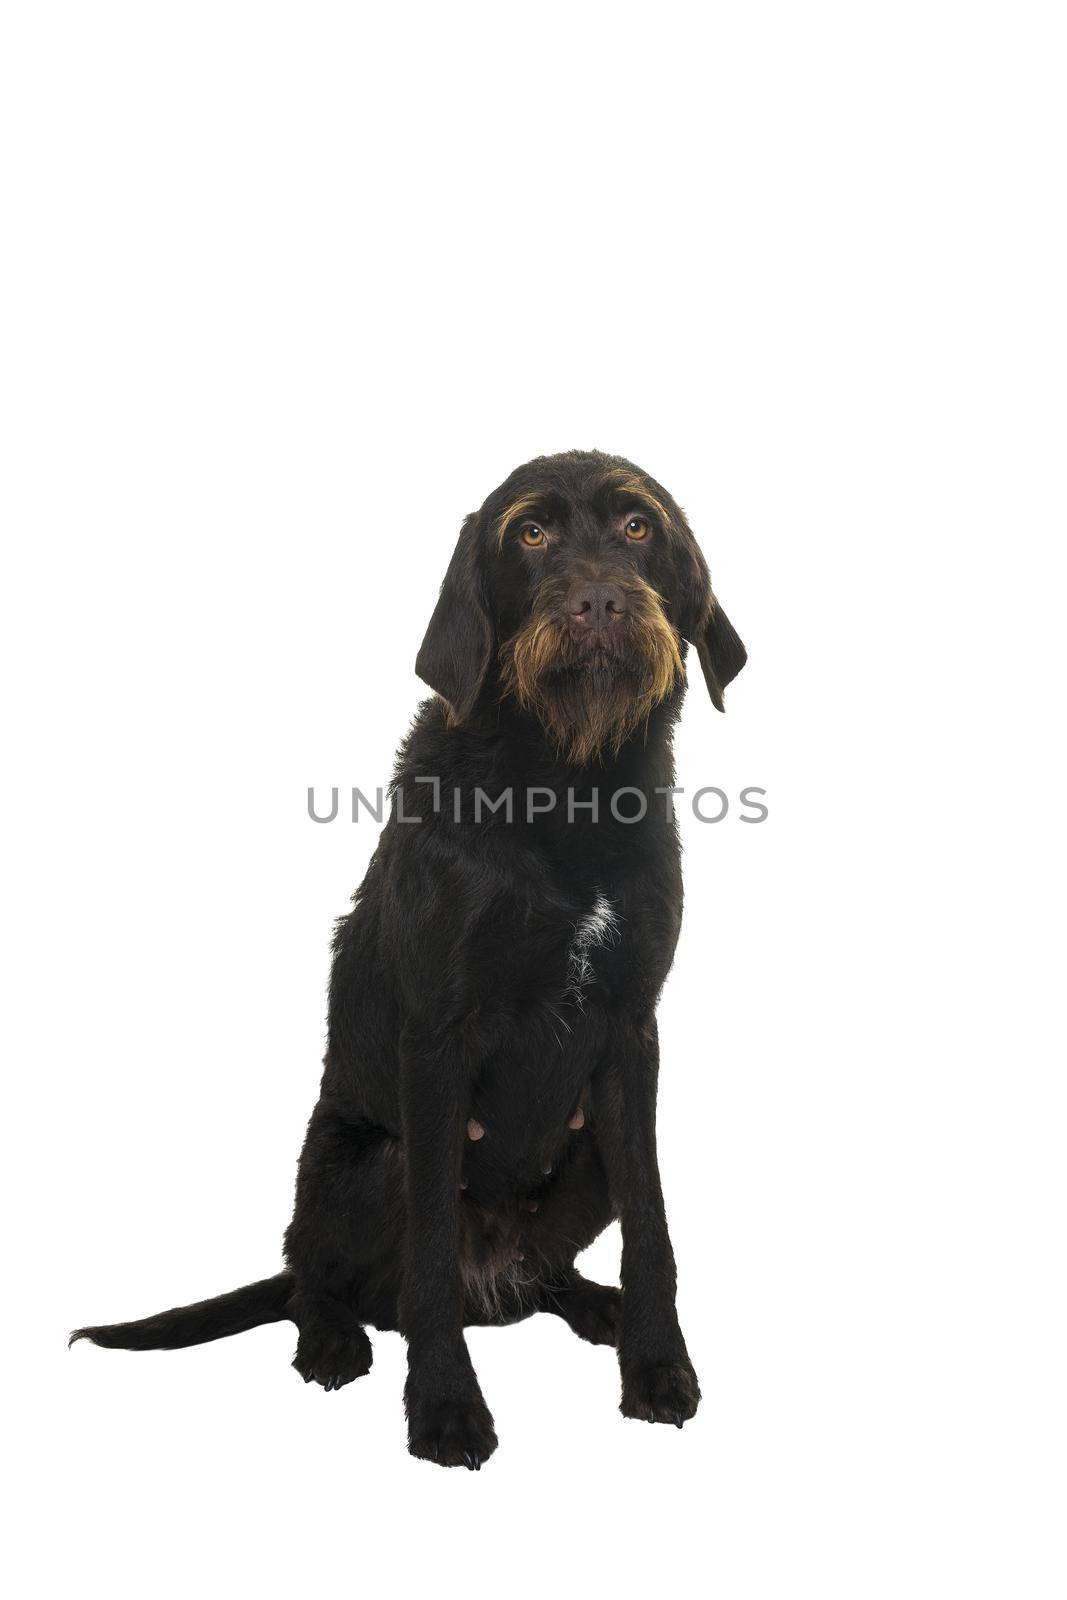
point(488, 1103)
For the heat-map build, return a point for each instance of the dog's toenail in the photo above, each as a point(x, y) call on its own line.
point(576, 1119)
point(532, 1205)
point(462, 1184)
point(475, 1129)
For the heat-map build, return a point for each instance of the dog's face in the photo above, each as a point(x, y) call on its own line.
point(571, 591)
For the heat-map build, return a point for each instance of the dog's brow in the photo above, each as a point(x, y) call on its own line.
point(518, 508)
point(628, 483)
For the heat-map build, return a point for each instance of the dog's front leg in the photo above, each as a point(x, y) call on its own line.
point(448, 1421)
point(658, 1380)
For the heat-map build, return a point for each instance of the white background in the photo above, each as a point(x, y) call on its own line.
point(289, 289)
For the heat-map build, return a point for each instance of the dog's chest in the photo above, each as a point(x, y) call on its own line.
point(596, 930)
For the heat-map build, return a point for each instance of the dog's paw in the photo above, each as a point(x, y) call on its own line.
point(660, 1391)
point(454, 1433)
point(592, 1312)
point(333, 1357)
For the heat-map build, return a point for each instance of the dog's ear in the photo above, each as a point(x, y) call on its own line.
point(454, 656)
point(706, 625)
point(722, 655)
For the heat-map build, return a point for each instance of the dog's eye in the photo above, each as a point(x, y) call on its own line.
point(532, 534)
point(637, 528)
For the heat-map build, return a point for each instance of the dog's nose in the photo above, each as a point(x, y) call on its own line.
point(596, 605)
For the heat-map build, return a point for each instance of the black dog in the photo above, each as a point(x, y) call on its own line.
point(488, 1103)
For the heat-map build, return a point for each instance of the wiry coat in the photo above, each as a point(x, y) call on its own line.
point(488, 1099)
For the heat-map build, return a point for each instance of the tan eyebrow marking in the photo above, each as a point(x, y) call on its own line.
point(517, 509)
point(630, 483)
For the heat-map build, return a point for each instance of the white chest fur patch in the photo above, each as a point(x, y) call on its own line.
point(598, 927)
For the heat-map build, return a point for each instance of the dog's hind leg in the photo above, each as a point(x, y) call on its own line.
point(333, 1348)
point(590, 1309)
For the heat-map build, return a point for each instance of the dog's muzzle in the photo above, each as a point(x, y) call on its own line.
point(591, 663)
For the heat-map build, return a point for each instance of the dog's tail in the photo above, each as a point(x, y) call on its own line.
point(256, 1303)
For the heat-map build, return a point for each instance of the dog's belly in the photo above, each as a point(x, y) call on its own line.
point(530, 1101)
point(528, 1094)
point(534, 1191)
point(516, 1236)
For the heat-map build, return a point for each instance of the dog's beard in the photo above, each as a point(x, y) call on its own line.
point(591, 692)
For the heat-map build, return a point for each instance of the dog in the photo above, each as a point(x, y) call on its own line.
point(488, 1100)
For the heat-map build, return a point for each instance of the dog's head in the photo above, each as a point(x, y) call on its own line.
point(571, 591)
